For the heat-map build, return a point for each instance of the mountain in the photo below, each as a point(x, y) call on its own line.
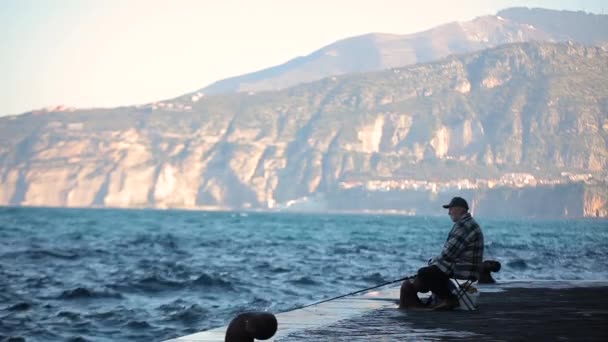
point(585, 28)
point(377, 51)
point(490, 123)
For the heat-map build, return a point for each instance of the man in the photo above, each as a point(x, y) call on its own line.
point(460, 258)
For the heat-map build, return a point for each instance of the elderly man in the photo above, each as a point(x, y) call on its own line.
point(460, 258)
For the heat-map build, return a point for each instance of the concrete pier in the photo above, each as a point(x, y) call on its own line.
point(510, 311)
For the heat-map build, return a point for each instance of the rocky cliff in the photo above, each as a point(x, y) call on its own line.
point(539, 108)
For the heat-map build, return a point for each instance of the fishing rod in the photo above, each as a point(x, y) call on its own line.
point(356, 292)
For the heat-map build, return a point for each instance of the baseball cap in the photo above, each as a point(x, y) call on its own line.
point(457, 202)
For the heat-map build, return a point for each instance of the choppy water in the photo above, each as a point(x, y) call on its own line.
point(143, 275)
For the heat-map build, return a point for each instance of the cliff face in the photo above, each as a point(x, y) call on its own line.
point(596, 201)
point(532, 107)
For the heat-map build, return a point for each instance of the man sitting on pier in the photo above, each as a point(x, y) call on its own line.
point(460, 258)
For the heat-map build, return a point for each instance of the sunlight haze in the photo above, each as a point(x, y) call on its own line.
point(85, 53)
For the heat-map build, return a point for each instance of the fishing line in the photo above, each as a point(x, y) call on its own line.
point(356, 292)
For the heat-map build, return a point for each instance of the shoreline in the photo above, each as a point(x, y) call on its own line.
point(388, 213)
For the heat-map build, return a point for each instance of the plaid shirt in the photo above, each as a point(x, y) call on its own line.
point(463, 251)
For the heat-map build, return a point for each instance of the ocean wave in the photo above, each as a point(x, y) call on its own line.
point(374, 278)
point(78, 339)
point(259, 304)
point(23, 306)
point(279, 270)
point(42, 282)
point(37, 254)
point(85, 293)
point(341, 250)
point(305, 280)
point(266, 266)
point(513, 246)
point(167, 241)
point(157, 283)
point(189, 315)
point(179, 310)
point(518, 264)
point(137, 325)
point(118, 313)
point(72, 316)
point(207, 280)
point(162, 282)
point(13, 338)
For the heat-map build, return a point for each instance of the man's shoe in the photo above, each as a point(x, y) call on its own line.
point(447, 304)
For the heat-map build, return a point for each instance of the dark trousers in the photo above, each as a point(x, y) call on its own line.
point(432, 279)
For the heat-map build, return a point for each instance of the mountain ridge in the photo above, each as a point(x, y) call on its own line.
point(377, 51)
point(523, 112)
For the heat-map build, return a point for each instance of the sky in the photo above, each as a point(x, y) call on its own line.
point(107, 53)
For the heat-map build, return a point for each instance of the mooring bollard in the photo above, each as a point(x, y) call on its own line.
point(251, 325)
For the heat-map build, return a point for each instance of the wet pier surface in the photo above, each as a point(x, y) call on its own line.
point(514, 311)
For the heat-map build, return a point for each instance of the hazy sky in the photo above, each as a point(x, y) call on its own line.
point(86, 53)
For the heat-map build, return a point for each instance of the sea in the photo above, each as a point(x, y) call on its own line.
point(152, 275)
